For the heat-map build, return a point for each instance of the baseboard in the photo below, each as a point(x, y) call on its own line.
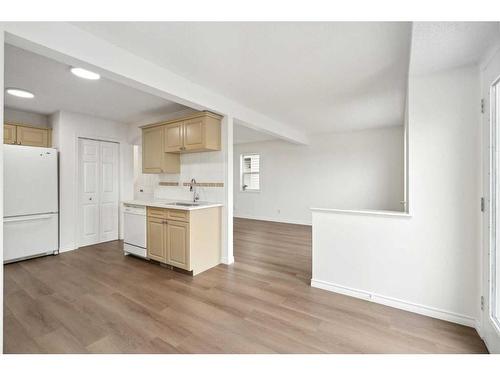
point(398, 304)
point(275, 220)
point(225, 260)
point(66, 249)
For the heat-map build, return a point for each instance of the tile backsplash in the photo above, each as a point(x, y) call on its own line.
point(205, 167)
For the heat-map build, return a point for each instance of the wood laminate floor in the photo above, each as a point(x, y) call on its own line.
point(96, 300)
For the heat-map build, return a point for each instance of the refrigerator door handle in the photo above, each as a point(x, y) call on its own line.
point(27, 218)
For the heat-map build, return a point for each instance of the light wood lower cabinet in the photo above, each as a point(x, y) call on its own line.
point(27, 135)
point(178, 244)
point(156, 239)
point(190, 240)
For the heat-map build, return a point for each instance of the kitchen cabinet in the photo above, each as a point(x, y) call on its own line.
point(154, 157)
point(27, 135)
point(195, 133)
point(188, 240)
point(9, 134)
point(173, 137)
point(156, 239)
point(178, 244)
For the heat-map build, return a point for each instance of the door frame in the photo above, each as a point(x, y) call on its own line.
point(489, 329)
point(77, 209)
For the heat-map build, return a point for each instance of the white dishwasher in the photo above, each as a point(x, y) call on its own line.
point(135, 230)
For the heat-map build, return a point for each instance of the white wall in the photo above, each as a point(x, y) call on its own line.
point(67, 127)
point(356, 170)
point(24, 117)
point(428, 262)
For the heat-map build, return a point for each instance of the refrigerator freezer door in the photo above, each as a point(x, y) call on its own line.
point(27, 236)
point(30, 180)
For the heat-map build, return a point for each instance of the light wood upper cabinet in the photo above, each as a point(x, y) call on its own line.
point(27, 135)
point(9, 134)
point(194, 133)
point(156, 239)
point(154, 158)
point(178, 244)
point(173, 137)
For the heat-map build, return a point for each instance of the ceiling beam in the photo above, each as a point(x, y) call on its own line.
point(69, 44)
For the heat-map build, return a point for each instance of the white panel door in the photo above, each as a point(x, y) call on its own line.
point(109, 192)
point(98, 184)
point(89, 155)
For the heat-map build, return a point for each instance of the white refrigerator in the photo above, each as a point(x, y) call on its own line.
point(31, 214)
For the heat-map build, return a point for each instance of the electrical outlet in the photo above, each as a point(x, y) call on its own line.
point(279, 211)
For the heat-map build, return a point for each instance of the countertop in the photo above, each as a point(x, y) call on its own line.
point(165, 204)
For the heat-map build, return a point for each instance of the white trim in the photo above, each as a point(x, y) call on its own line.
point(224, 260)
point(280, 220)
point(65, 250)
point(398, 303)
point(363, 212)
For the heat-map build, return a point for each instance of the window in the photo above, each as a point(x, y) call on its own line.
point(250, 172)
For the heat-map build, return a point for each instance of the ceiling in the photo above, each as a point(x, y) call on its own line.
point(446, 45)
point(55, 89)
point(316, 77)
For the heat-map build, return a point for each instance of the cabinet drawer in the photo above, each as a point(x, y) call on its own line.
point(159, 213)
point(181, 215)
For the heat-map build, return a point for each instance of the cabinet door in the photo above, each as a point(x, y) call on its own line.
point(28, 136)
point(9, 134)
point(156, 239)
point(194, 134)
point(178, 244)
point(152, 150)
point(173, 137)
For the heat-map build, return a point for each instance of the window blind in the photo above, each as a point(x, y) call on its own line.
point(250, 172)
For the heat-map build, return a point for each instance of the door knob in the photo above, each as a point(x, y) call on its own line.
point(90, 198)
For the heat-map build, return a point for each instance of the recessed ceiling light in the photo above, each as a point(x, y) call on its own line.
point(84, 73)
point(20, 93)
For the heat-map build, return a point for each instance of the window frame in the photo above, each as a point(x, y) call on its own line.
point(242, 157)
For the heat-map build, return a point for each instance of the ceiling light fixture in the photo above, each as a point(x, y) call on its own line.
point(20, 93)
point(84, 73)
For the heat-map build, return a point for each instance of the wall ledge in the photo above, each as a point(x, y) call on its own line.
point(363, 212)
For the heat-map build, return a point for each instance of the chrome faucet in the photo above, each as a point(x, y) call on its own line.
point(192, 187)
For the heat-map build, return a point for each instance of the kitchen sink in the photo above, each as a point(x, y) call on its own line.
point(185, 204)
